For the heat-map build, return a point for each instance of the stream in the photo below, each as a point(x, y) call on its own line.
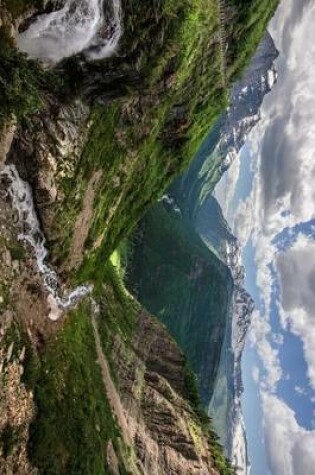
point(92, 27)
point(22, 201)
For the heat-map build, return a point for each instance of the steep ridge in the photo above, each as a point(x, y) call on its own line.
point(21, 198)
point(175, 276)
point(225, 405)
point(135, 119)
point(228, 134)
point(50, 374)
point(189, 201)
point(246, 98)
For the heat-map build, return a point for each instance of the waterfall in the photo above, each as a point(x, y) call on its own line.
point(89, 26)
point(92, 27)
point(31, 233)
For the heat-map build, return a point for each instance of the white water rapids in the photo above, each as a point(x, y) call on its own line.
point(94, 28)
point(89, 26)
point(22, 201)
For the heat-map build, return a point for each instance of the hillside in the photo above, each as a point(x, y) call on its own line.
point(173, 274)
point(86, 147)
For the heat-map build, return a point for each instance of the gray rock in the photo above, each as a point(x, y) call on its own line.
point(7, 259)
point(9, 352)
point(16, 265)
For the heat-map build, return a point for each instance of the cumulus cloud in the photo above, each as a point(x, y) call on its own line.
point(259, 330)
point(244, 219)
point(283, 143)
point(282, 150)
point(288, 146)
point(277, 338)
point(299, 390)
point(296, 269)
point(255, 374)
point(290, 447)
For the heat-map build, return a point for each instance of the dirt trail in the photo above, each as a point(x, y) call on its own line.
point(82, 224)
point(112, 394)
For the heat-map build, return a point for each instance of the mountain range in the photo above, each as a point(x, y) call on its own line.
point(157, 276)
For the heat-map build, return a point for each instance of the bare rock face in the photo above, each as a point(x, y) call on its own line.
point(6, 137)
point(16, 400)
point(166, 433)
point(48, 152)
point(112, 459)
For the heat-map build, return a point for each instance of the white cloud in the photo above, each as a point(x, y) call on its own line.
point(277, 339)
point(258, 336)
point(299, 390)
point(288, 146)
point(244, 220)
point(255, 374)
point(296, 269)
point(283, 159)
point(290, 448)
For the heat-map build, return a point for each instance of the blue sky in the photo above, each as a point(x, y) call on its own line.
point(268, 197)
point(293, 388)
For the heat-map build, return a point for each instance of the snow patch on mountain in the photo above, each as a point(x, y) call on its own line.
point(246, 98)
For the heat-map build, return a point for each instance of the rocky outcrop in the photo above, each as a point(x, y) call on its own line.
point(228, 134)
point(194, 288)
point(165, 431)
point(98, 142)
point(189, 201)
point(6, 137)
point(47, 153)
point(17, 290)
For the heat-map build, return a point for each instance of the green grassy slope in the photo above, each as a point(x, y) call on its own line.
point(143, 139)
point(178, 279)
point(151, 131)
point(73, 422)
point(140, 140)
point(254, 16)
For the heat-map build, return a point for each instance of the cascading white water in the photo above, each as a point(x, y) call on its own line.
point(22, 201)
point(80, 26)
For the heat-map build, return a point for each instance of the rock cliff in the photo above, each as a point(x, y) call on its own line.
point(97, 386)
point(189, 208)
